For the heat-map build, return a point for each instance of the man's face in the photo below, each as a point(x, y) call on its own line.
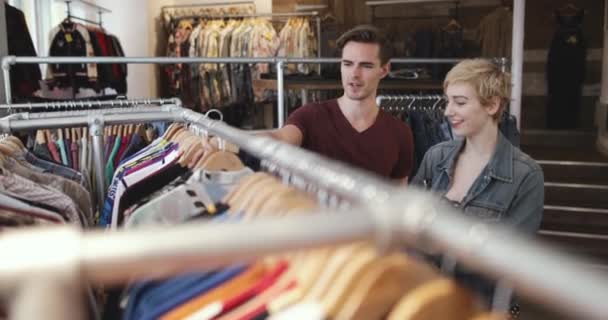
point(361, 69)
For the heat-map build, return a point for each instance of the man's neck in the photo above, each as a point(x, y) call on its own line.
point(360, 113)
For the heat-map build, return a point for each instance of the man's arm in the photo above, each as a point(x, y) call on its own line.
point(289, 133)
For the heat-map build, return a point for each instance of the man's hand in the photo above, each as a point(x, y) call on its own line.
point(289, 133)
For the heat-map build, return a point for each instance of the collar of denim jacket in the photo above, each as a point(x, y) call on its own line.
point(499, 167)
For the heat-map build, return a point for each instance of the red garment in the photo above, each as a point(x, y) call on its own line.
point(54, 152)
point(101, 37)
point(75, 157)
point(386, 148)
point(124, 143)
point(112, 52)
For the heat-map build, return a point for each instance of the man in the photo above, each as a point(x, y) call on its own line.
point(352, 128)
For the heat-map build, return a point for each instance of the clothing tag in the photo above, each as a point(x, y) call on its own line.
point(68, 37)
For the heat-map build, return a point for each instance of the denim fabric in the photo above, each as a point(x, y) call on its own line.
point(508, 127)
point(509, 190)
point(51, 167)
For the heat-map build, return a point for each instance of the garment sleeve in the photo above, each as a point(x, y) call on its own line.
point(302, 118)
point(424, 175)
point(526, 210)
point(405, 162)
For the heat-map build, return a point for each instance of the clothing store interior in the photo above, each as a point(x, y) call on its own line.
point(283, 159)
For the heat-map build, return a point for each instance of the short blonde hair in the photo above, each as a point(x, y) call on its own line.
point(486, 78)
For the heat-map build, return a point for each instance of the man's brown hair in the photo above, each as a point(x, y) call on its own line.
point(368, 34)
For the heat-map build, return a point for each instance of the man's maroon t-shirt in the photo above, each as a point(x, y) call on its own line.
point(385, 148)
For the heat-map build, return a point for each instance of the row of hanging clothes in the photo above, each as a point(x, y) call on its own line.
point(425, 116)
point(69, 81)
point(206, 86)
point(186, 176)
point(37, 192)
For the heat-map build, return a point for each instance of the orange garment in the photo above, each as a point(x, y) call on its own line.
point(285, 283)
point(223, 292)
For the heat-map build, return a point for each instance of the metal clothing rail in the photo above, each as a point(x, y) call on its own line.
point(91, 103)
point(100, 10)
point(208, 4)
point(388, 215)
point(280, 62)
point(406, 97)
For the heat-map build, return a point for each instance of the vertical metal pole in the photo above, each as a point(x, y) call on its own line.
point(6, 77)
point(281, 93)
point(517, 58)
point(6, 72)
point(96, 130)
point(601, 114)
point(319, 43)
point(304, 94)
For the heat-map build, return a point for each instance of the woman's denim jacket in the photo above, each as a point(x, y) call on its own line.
point(509, 190)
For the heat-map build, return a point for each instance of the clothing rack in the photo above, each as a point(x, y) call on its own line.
point(313, 14)
point(209, 4)
point(100, 10)
point(95, 120)
point(395, 102)
point(387, 214)
point(8, 61)
point(517, 50)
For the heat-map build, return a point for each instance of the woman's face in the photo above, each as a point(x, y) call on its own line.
point(465, 112)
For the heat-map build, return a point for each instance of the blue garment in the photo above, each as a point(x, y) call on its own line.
point(136, 144)
point(52, 167)
point(106, 214)
point(173, 293)
point(146, 293)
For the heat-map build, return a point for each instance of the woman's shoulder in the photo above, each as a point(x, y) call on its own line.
point(524, 161)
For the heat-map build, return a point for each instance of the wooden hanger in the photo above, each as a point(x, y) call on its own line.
point(337, 262)
point(60, 134)
point(67, 134)
point(171, 130)
point(261, 188)
point(242, 186)
point(256, 207)
point(489, 316)
point(189, 147)
point(436, 300)
point(382, 285)
point(223, 161)
point(344, 280)
point(85, 132)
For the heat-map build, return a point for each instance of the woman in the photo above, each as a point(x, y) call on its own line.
point(481, 173)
